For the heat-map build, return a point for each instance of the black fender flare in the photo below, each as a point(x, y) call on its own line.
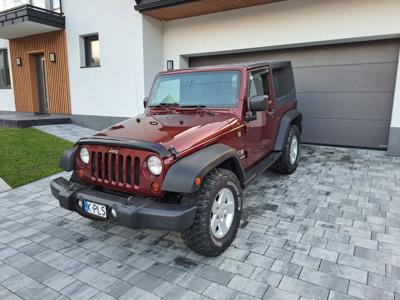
point(67, 159)
point(284, 126)
point(181, 176)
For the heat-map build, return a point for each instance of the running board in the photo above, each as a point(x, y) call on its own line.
point(262, 166)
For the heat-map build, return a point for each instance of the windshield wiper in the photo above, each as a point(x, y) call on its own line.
point(165, 106)
point(201, 107)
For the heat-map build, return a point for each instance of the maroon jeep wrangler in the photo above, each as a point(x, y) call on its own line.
point(182, 165)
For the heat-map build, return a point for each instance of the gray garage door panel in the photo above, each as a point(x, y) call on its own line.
point(375, 106)
point(345, 91)
point(347, 78)
point(340, 54)
point(356, 133)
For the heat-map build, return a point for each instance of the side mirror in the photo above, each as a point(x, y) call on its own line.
point(145, 101)
point(258, 103)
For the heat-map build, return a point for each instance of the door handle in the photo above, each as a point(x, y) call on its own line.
point(271, 113)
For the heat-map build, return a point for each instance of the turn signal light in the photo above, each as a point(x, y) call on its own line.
point(155, 187)
point(81, 173)
point(197, 181)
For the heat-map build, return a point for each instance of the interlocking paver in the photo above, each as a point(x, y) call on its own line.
point(237, 267)
point(325, 280)
point(344, 271)
point(259, 261)
point(324, 254)
point(194, 283)
point(361, 263)
point(248, 286)
point(303, 288)
point(329, 231)
point(277, 294)
point(306, 261)
point(268, 277)
point(219, 292)
point(214, 274)
point(286, 268)
point(366, 292)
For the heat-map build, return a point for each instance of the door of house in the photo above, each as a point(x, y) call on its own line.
point(42, 84)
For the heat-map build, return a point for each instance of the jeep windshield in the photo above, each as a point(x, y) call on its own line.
point(196, 89)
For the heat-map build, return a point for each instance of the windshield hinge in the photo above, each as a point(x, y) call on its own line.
point(173, 152)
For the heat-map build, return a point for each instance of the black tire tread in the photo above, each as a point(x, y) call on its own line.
point(197, 236)
point(283, 165)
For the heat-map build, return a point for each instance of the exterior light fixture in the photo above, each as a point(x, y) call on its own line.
point(52, 57)
point(170, 65)
point(18, 61)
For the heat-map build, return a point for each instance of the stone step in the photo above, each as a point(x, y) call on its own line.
point(19, 120)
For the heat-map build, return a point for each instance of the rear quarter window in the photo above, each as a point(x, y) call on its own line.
point(283, 81)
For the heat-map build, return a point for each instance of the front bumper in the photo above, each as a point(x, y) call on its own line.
point(133, 212)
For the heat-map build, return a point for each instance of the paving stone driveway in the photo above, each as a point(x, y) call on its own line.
point(331, 230)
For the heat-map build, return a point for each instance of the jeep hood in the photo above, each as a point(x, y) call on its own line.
point(180, 130)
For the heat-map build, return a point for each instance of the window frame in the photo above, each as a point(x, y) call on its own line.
point(87, 48)
point(4, 52)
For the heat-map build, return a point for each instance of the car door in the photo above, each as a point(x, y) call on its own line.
point(258, 133)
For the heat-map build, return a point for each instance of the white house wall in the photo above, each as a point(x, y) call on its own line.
point(117, 87)
point(152, 50)
point(7, 102)
point(279, 25)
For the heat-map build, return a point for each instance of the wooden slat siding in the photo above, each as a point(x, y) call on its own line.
point(24, 78)
point(203, 7)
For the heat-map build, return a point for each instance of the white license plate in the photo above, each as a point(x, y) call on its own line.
point(95, 209)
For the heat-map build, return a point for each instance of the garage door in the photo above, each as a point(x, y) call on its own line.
point(345, 91)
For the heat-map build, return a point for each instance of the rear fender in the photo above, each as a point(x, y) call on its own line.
point(286, 121)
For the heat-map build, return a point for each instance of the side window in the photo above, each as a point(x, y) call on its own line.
point(258, 84)
point(283, 81)
point(5, 82)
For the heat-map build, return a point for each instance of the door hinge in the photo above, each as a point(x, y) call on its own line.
point(271, 113)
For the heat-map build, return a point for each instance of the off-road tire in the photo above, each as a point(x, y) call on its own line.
point(284, 165)
point(198, 237)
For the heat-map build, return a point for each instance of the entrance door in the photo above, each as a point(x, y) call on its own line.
point(42, 84)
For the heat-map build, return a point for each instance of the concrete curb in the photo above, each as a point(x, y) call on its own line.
point(4, 186)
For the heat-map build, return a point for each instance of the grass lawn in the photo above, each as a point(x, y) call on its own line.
point(28, 154)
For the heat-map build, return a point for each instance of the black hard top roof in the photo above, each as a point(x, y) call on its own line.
point(251, 65)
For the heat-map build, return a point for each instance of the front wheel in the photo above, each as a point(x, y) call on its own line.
point(219, 207)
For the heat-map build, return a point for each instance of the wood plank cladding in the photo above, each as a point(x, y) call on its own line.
point(25, 77)
point(202, 7)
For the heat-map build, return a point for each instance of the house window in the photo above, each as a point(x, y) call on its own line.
point(92, 50)
point(5, 82)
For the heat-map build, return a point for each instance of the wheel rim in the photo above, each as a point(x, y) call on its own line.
point(294, 149)
point(222, 213)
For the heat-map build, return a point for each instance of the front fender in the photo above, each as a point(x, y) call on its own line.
point(181, 176)
point(67, 159)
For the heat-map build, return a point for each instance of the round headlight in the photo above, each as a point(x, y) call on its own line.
point(154, 164)
point(84, 154)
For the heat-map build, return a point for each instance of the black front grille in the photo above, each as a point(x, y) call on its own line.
point(115, 168)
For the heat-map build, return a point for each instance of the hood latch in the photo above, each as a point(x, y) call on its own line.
point(173, 152)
